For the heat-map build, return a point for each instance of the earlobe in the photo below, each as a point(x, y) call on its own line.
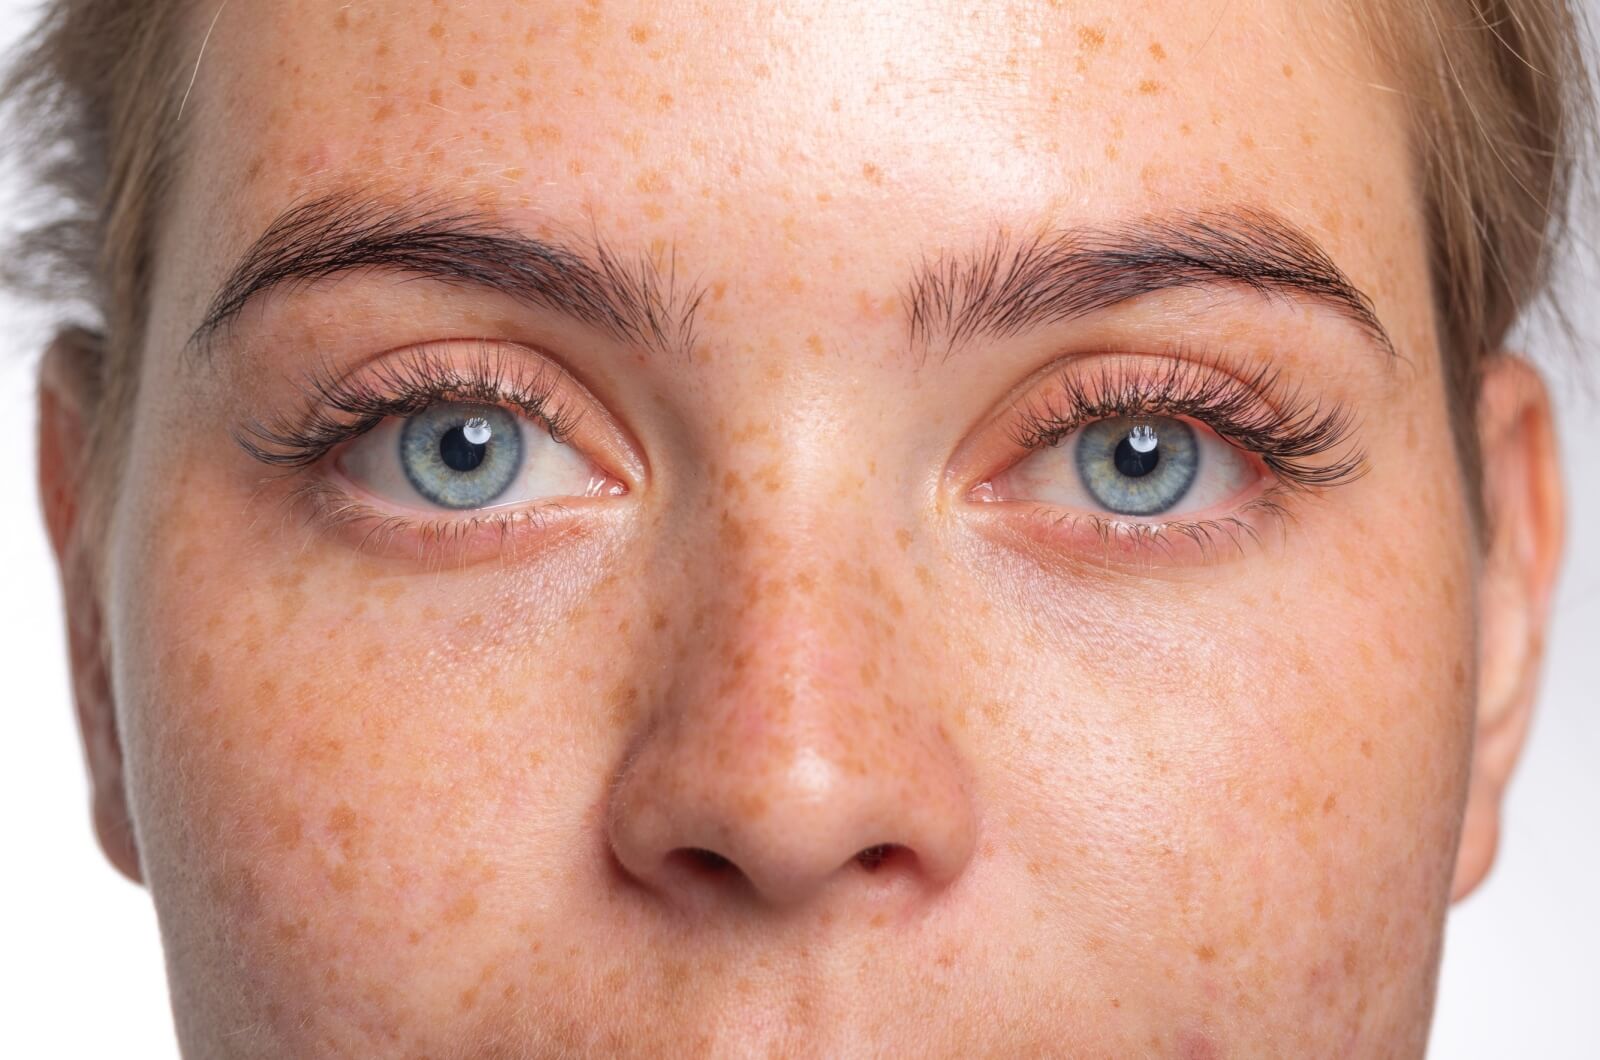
point(65, 378)
point(1522, 551)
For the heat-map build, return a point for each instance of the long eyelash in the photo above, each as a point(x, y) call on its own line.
point(337, 409)
point(1259, 414)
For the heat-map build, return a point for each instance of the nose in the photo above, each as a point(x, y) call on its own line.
point(794, 759)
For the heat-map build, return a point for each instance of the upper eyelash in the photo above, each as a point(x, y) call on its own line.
point(1260, 414)
point(337, 409)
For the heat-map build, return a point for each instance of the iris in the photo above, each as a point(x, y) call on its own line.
point(460, 455)
point(1137, 466)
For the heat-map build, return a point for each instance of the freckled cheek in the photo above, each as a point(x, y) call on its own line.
point(324, 765)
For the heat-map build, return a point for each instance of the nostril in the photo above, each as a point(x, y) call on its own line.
point(707, 861)
point(873, 857)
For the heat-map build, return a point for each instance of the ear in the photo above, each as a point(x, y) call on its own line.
point(1523, 510)
point(66, 376)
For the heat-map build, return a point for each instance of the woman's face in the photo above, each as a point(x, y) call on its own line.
point(1001, 580)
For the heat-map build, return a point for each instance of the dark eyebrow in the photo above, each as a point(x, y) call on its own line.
point(447, 241)
point(1011, 285)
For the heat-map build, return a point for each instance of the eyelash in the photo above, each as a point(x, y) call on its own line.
point(337, 410)
point(1260, 414)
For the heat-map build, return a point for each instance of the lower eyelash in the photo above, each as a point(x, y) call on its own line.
point(1207, 540)
point(1260, 414)
point(330, 508)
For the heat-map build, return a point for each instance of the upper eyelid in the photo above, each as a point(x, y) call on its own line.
point(1264, 413)
point(382, 388)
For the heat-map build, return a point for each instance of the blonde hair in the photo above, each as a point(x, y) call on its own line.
point(1498, 92)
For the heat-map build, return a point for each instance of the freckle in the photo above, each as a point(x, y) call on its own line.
point(468, 78)
point(437, 31)
point(1206, 954)
point(872, 173)
point(1111, 152)
point(1366, 748)
point(1091, 36)
point(1185, 129)
point(639, 34)
point(1288, 71)
point(651, 182)
point(435, 97)
point(461, 909)
point(1157, 52)
point(200, 672)
point(1248, 142)
point(814, 344)
point(1149, 87)
point(341, 21)
point(762, 71)
point(1329, 803)
point(343, 878)
point(903, 537)
point(924, 576)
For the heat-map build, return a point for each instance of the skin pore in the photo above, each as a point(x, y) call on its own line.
point(979, 771)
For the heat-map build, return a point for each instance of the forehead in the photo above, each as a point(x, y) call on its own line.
point(782, 141)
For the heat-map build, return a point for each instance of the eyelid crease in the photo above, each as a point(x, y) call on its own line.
point(1260, 414)
point(338, 408)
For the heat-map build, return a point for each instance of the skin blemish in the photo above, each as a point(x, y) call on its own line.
point(463, 908)
point(872, 173)
point(1091, 37)
point(1149, 87)
point(1157, 52)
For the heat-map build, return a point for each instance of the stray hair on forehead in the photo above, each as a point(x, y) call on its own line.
point(1497, 92)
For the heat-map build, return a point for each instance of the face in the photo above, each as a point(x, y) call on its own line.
point(796, 534)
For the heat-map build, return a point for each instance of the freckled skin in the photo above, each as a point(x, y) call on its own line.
point(394, 808)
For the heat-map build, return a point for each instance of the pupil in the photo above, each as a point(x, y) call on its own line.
point(459, 454)
point(1133, 463)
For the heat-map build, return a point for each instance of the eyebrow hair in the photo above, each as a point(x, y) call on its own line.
point(446, 241)
point(1011, 286)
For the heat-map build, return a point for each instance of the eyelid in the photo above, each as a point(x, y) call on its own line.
point(335, 408)
point(1267, 415)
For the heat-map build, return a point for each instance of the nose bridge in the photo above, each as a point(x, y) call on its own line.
point(795, 748)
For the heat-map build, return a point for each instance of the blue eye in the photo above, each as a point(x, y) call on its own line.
point(1143, 466)
point(465, 456)
point(461, 455)
point(1140, 466)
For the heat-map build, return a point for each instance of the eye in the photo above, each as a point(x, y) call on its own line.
point(1140, 466)
point(463, 456)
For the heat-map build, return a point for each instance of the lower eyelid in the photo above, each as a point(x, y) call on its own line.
point(1110, 543)
point(460, 538)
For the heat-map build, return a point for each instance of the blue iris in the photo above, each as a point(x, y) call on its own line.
point(461, 455)
point(1137, 466)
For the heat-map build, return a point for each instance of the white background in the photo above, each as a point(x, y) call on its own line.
point(80, 961)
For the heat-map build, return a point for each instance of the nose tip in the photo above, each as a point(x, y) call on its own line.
point(782, 834)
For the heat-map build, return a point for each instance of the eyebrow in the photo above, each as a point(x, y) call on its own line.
point(341, 233)
point(1011, 286)
point(1007, 287)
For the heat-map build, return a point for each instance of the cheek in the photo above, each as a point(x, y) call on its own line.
point(1250, 784)
point(328, 761)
